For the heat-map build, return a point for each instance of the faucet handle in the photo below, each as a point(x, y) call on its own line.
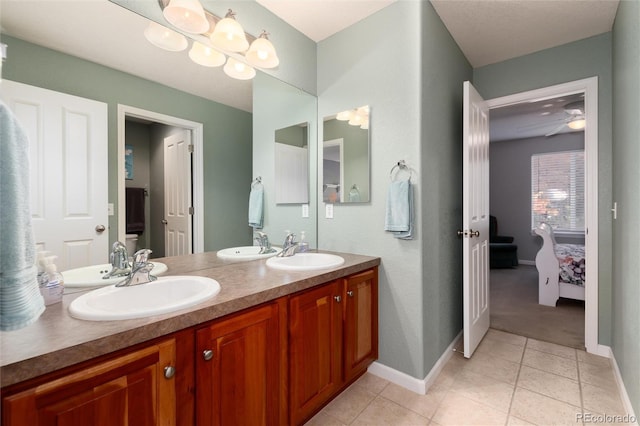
point(141, 256)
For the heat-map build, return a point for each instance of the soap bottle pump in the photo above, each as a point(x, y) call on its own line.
point(51, 282)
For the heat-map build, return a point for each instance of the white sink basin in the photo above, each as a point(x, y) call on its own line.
point(91, 276)
point(166, 294)
point(245, 253)
point(305, 262)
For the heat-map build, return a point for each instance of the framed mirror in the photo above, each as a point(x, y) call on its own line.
point(292, 164)
point(346, 157)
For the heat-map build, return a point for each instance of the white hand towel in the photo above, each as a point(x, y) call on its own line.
point(399, 213)
point(20, 299)
point(256, 211)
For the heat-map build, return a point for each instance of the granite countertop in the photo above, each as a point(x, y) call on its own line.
point(57, 340)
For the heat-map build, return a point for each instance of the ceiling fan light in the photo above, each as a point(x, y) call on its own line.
point(165, 38)
point(577, 124)
point(205, 55)
point(236, 69)
point(261, 53)
point(229, 35)
point(187, 15)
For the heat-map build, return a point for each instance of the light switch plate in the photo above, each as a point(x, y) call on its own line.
point(328, 211)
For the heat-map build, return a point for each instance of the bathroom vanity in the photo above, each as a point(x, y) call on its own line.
point(273, 347)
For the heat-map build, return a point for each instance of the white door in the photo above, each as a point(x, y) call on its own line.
point(68, 172)
point(291, 174)
point(475, 218)
point(177, 194)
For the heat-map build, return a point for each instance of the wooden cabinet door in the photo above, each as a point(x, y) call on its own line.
point(238, 381)
point(315, 349)
point(128, 390)
point(360, 323)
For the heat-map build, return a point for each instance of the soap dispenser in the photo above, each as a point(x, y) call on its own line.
point(303, 245)
point(51, 282)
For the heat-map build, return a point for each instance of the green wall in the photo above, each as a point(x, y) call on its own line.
point(411, 78)
point(626, 180)
point(574, 61)
point(227, 131)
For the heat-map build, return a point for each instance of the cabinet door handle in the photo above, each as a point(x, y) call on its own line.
point(169, 372)
point(350, 293)
point(337, 299)
point(207, 354)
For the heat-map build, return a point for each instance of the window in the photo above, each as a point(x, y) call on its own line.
point(557, 190)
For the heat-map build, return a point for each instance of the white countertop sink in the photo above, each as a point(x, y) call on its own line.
point(166, 294)
point(91, 276)
point(246, 253)
point(305, 262)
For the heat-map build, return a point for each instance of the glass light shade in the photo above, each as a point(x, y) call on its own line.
point(238, 70)
point(206, 56)
point(356, 120)
point(365, 124)
point(262, 53)
point(188, 15)
point(229, 35)
point(165, 38)
point(577, 124)
point(345, 115)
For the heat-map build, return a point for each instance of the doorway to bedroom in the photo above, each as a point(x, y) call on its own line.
point(538, 133)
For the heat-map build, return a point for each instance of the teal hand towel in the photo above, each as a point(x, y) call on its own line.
point(20, 299)
point(256, 210)
point(399, 212)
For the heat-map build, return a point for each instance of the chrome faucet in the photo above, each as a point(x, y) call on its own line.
point(119, 259)
point(289, 246)
point(140, 271)
point(263, 241)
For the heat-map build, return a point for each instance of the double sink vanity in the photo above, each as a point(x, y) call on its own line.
point(272, 342)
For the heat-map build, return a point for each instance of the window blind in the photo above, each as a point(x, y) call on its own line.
point(557, 190)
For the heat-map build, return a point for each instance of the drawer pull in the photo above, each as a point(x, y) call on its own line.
point(337, 299)
point(350, 293)
point(169, 372)
point(207, 355)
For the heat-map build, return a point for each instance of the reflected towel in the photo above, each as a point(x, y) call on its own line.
point(256, 206)
point(20, 299)
point(399, 214)
point(135, 199)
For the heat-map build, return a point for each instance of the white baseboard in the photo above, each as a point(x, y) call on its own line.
point(623, 390)
point(409, 382)
point(527, 262)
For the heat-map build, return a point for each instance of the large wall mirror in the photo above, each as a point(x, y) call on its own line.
point(346, 157)
point(292, 164)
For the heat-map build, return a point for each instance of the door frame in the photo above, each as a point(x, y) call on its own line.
point(588, 86)
point(197, 182)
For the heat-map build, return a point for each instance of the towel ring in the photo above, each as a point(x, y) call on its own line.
point(401, 165)
point(256, 181)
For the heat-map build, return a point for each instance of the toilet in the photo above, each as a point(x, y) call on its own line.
point(131, 243)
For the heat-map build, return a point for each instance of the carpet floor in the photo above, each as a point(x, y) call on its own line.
point(515, 309)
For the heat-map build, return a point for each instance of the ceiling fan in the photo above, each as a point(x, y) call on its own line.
point(574, 118)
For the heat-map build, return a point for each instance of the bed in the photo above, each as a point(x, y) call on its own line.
point(561, 269)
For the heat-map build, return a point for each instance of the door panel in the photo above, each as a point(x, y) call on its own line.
point(177, 187)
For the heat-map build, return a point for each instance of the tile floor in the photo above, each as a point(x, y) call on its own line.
point(510, 380)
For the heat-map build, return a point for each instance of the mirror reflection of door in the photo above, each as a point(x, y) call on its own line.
point(292, 164)
point(333, 171)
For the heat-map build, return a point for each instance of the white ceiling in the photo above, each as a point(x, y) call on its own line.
point(487, 31)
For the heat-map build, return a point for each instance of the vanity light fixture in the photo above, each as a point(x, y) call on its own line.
point(205, 55)
point(261, 53)
point(229, 35)
point(187, 15)
point(236, 69)
point(355, 117)
point(165, 38)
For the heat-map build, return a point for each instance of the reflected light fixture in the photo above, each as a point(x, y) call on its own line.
point(229, 35)
point(187, 15)
point(238, 70)
point(165, 38)
point(261, 53)
point(355, 117)
point(205, 55)
point(577, 124)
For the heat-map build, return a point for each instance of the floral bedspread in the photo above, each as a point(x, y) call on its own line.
point(572, 263)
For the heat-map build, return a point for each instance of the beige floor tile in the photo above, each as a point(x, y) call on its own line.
point(483, 389)
point(549, 384)
point(551, 348)
point(372, 383)
point(349, 404)
point(501, 349)
point(459, 410)
point(425, 405)
point(324, 419)
point(505, 337)
point(601, 400)
point(551, 363)
point(496, 368)
point(451, 369)
point(598, 360)
point(381, 411)
point(598, 376)
point(542, 410)
point(514, 421)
